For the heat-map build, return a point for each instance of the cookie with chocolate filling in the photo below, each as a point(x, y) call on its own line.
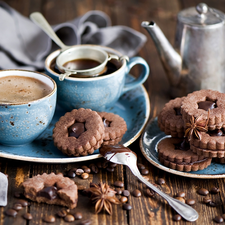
point(170, 119)
point(211, 143)
point(198, 103)
point(175, 153)
point(51, 189)
point(115, 128)
point(79, 132)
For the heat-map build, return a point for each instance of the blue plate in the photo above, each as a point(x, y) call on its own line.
point(133, 106)
point(148, 144)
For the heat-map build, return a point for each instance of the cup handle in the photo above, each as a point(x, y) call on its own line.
point(142, 77)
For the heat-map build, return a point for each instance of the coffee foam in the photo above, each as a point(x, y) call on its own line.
point(18, 89)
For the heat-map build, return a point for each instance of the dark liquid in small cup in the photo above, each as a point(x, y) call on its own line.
point(112, 66)
point(81, 64)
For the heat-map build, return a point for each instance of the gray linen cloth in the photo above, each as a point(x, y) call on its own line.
point(23, 45)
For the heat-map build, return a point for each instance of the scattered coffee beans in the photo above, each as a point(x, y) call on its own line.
point(181, 194)
point(136, 193)
point(149, 192)
point(118, 183)
point(27, 216)
point(62, 213)
point(215, 190)
point(78, 215)
point(144, 171)
point(17, 206)
point(190, 201)
point(140, 166)
point(79, 172)
point(23, 202)
point(85, 222)
point(69, 218)
point(212, 204)
point(203, 191)
point(94, 168)
point(177, 217)
point(206, 200)
point(49, 219)
point(218, 219)
point(127, 206)
point(123, 199)
point(126, 193)
point(112, 165)
point(18, 194)
point(11, 212)
point(85, 175)
point(161, 181)
point(87, 170)
point(119, 191)
point(180, 199)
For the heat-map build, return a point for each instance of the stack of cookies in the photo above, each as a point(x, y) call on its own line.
point(196, 123)
point(81, 131)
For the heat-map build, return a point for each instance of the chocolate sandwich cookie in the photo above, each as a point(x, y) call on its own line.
point(170, 119)
point(115, 128)
point(198, 103)
point(176, 154)
point(211, 143)
point(79, 132)
point(51, 189)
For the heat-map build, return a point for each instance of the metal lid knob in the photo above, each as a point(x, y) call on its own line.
point(202, 8)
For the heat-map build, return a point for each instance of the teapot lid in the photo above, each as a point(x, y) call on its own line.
point(201, 15)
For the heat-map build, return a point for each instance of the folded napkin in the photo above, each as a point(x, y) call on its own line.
point(23, 45)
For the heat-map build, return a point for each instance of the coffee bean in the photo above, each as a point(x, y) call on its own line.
point(126, 193)
point(110, 169)
point(177, 217)
point(69, 218)
point(127, 206)
point(62, 213)
point(79, 172)
point(144, 171)
point(105, 164)
point(136, 193)
point(140, 166)
point(206, 200)
point(94, 168)
point(49, 219)
point(87, 170)
point(11, 212)
point(71, 174)
point(203, 191)
point(119, 191)
point(180, 199)
point(118, 184)
point(112, 165)
point(149, 192)
point(190, 201)
point(27, 216)
point(85, 222)
point(18, 194)
point(215, 190)
point(212, 204)
point(99, 165)
point(23, 202)
point(223, 216)
point(181, 194)
point(218, 219)
point(84, 167)
point(161, 181)
point(17, 206)
point(85, 175)
point(123, 199)
point(78, 215)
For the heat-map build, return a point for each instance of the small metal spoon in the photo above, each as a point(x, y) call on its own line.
point(39, 20)
point(126, 157)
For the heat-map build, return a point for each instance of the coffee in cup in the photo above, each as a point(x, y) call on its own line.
point(18, 89)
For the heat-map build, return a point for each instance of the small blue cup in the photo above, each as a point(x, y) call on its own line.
point(21, 123)
point(97, 93)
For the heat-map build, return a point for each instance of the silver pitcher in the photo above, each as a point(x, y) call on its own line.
point(198, 59)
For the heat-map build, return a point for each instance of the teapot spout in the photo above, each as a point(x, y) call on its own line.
point(170, 59)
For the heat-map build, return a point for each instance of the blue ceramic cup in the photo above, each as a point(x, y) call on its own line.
point(22, 122)
point(97, 93)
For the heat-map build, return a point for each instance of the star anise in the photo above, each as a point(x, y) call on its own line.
point(195, 126)
point(103, 197)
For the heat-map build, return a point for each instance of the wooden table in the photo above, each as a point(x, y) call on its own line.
point(145, 210)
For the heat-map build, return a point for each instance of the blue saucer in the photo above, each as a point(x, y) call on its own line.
point(133, 106)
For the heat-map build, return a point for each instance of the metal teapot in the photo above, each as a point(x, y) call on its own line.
point(199, 59)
